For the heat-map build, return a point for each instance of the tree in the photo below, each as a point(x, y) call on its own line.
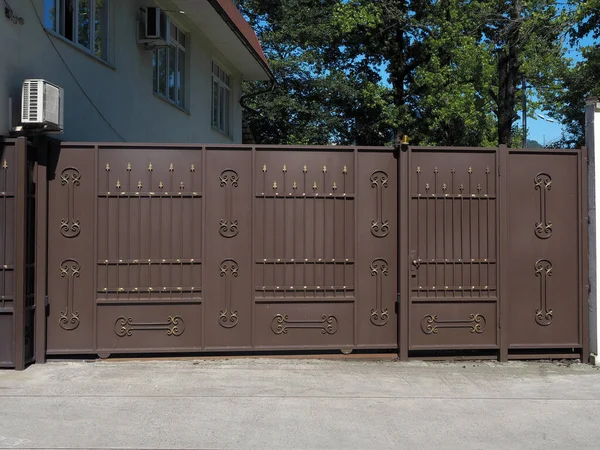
point(580, 79)
point(445, 72)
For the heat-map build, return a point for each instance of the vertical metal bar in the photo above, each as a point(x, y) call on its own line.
point(403, 184)
point(160, 241)
point(357, 262)
point(487, 232)
point(502, 242)
point(20, 222)
point(107, 258)
point(418, 226)
point(41, 250)
point(118, 254)
point(344, 243)
point(274, 234)
point(324, 202)
point(252, 242)
point(453, 256)
point(96, 249)
point(264, 228)
point(285, 235)
point(315, 194)
point(305, 227)
point(333, 256)
point(435, 226)
point(583, 254)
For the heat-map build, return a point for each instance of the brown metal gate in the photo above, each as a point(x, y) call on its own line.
point(175, 248)
point(162, 249)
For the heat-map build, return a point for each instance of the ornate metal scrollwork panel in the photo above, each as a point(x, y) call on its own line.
point(228, 317)
point(543, 227)
point(69, 317)
point(431, 323)
point(125, 326)
point(380, 227)
point(70, 227)
point(228, 226)
point(379, 269)
point(281, 323)
point(543, 270)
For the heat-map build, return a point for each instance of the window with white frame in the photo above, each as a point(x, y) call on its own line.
point(168, 66)
point(221, 103)
point(84, 22)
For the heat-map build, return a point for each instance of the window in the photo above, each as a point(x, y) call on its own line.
point(221, 110)
point(168, 68)
point(85, 22)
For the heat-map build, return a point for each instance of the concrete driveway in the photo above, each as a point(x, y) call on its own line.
point(283, 403)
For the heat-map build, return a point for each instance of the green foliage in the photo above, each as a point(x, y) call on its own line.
point(363, 71)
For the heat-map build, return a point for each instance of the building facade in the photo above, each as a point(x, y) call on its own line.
point(118, 89)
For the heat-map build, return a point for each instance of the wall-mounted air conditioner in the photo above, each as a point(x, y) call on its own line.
point(154, 27)
point(42, 106)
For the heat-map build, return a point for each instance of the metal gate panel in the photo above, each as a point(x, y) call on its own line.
point(377, 244)
point(453, 249)
point(71, 253)
point(305, 258)
point(544, 236)
point(149, 249)
point(228, 263)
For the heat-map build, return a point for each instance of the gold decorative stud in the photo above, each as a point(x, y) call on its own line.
point(181, 186)
point(265, 168)
point(107, 167)
point(324, 169)
point(304, 169)
point(139, 185)
point(470, 170)
point(118, 185)
point(418, 169)
point(128, 167)
point(295, 186)
point(334, 186)
point(274, 184)
point(150, 168)
point(315, 185)
point(5, 165)
point(171, 168)
point(193, 168)
point(284, 168)
point(160, 185)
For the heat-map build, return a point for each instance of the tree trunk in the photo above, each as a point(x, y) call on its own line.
point(508, 73)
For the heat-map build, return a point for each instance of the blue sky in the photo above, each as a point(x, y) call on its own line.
point(541, 130)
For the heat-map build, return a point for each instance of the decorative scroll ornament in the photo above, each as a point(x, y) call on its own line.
point(228, 227)
point(543, 270)
point(431, 324)
point(228, 318)
point(379, 226)
point(69, 318)
point(281, 323)
point(69, 226)
point(174, 326)
point(379, 269)
point(543, 183)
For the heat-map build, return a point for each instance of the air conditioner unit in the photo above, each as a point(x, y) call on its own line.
point(42, 106)
point(154, 27)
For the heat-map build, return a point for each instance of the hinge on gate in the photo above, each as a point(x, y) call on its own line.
point(47, 304)
point(397, 304)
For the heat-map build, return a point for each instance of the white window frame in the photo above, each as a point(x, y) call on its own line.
point(180, 82)
point(221, 80)
point(59, 27)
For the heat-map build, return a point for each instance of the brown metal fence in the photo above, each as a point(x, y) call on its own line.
point(184, 249)
point(17, 244)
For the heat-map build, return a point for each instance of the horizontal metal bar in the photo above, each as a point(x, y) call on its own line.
point(453, 196)
point(304, 300)
point(135, 290)
point(6, 310)
point(305, 261)
point(149, 194)
point(454, 288)
point(7, 194)
point(305, 195)
point(147, 262)
point(7, 267)
point(303, 288)
point(150, 301)
point(456, 261)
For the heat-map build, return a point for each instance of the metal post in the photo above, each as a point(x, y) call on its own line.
point(524, 95)
point(592, 140)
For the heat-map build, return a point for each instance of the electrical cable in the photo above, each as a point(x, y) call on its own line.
point(73, 75)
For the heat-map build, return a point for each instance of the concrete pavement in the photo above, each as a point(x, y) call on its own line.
point(264, 403)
